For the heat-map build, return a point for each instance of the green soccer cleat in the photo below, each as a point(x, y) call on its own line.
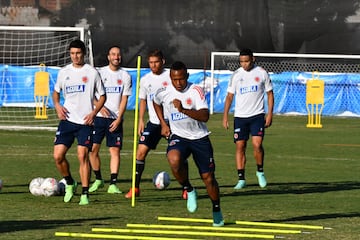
point(192, 201)
point(84, 199)
point(96, 185)
point(261, 179)
point(218, 219)
point(113, 189)
point(69, 191)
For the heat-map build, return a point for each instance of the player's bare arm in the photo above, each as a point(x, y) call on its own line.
point(142, 109)
point(165, 129)
point(115, 124)
point(228, 101)
point(268, 119)
point(201, 115)
point(61, 111)
point(89, 119)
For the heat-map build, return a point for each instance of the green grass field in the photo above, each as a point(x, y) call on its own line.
point(313, 177)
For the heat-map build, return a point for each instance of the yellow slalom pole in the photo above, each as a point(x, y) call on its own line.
point(195, 233)
point(201, 220)
point(109, 236)
point(224, 229)
point(135, 131)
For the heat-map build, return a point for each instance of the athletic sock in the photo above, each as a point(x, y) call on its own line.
point(69, 180)
point(241, 174)
point(98, 174)
point(187, 186)
point(216, 205)
point(113, 178)
point(140, 166)
point(260, 168)
point(85, 190)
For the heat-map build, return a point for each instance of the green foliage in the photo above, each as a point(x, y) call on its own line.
point(313, 177)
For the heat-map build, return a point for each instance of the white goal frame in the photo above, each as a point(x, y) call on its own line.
point(274, 55)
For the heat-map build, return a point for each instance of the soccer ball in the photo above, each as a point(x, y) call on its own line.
point(35, 186)
point(61, 187)
point(161, 180)
point(49, 187)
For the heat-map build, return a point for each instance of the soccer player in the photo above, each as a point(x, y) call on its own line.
point(151, 134)
point(186, 109)
point(109, 120)
point(79, 83)
point(249, 84)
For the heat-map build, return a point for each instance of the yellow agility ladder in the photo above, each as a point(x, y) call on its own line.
point(314, 101)
point(41, 92)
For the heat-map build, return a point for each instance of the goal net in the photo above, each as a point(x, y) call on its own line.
point(282, 68)
point(22, 51)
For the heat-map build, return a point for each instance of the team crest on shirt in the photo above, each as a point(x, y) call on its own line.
point(257, 79)
point(188, 101)
point(165, 84)
point(85, 79)
point(119, 81)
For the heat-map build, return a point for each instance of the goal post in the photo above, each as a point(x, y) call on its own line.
point(283, 66)
point(24, 51)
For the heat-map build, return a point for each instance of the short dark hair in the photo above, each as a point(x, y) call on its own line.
point(78, 44)
point(113, 46)
point(246, 52)
point(178, 65)
point(156, 53)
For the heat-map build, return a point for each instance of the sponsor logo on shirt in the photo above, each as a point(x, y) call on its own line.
point(178, 116)
point(113, 89)
point(249, 89)
point(75, 88)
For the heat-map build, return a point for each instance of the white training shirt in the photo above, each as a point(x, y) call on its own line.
point(249, 89)
point(79, 86)
point(192, 97)
point(117, 84)
point(149, 84)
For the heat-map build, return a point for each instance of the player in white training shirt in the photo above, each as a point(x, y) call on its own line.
point(186, 109)
point(150, 134)
point(79, 83)
point(249, 84)
point(109, 121)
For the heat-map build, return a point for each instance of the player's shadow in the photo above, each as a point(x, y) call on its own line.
point(22, 225)
point(316, 217)
point(292, 188)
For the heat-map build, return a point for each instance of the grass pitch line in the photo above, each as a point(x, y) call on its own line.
point(224, 229)
point(195, 233)
point(109, 236)
point(285, 225)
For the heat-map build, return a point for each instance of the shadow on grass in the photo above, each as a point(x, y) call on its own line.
point(294, 188)
point(20, 225)
point(318, 217)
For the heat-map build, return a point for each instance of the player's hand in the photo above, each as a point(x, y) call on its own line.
point(105, 112)
point(165, 131)
point(177, 104)
point(89, 119)
point(141, 127)
point(225, 123)
point(62, 112)
point(268, 121)
point(114, 125)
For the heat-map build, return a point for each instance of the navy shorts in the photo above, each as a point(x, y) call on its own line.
point(68, 131)
point(201, 150)
point(101, 130)
point(254, 125)
point(151, 135)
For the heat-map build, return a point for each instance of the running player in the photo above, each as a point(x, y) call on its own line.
point(186, 108)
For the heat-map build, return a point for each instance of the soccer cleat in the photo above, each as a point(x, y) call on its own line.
point(240, 184)
point(84, 199)
point(96, 185)
point(218, 220)
point(192, 201)
point(69, 191)
point(261, 179)
point(129, 194)
point(184, 194)
point(113, 189)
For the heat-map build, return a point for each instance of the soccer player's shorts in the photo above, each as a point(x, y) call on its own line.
point(101, 130)
point(201, 150)
point(151, 135)
point(68, 131)
point(254, 125)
